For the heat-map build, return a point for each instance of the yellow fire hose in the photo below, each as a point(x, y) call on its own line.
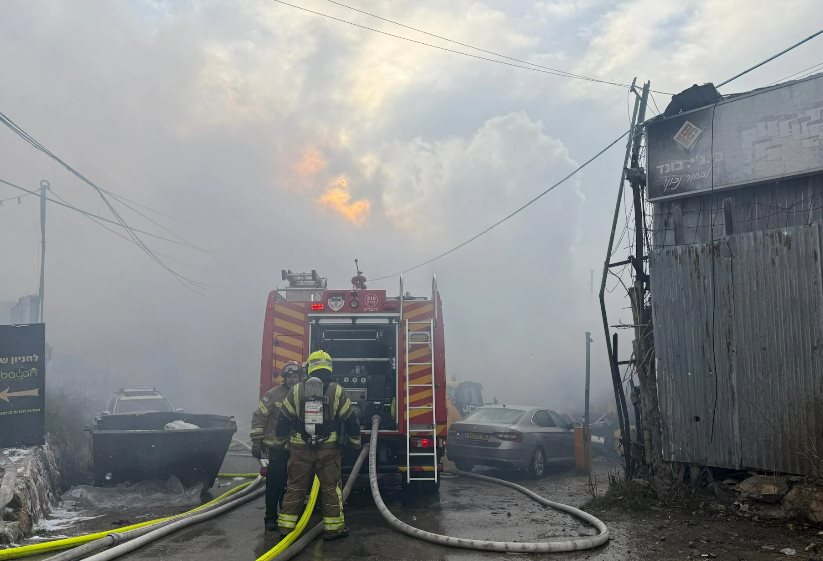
point(65, 543)
point(301, 525)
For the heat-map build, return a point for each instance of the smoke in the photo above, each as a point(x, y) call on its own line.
point(276, 139)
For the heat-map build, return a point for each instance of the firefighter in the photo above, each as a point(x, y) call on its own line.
point(315, 446)
point(263, 422)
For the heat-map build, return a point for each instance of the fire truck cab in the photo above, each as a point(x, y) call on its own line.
point(388, 354)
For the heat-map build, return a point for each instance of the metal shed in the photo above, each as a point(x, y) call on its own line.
point(736, 279)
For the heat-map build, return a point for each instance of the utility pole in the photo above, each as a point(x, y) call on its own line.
point(44, 188)
point(617, 383)
point(641, 313)
point(591, 283)
point(587, 435)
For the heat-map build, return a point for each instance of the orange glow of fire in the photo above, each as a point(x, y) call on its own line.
point(337, 198)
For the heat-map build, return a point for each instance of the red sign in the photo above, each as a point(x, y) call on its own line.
point(354, 301)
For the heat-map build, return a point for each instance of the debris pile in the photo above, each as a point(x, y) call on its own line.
point(36, 488)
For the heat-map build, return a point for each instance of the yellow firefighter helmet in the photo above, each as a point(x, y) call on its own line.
point(318, 360)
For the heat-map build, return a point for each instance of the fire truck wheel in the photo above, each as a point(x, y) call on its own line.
point(537, 466)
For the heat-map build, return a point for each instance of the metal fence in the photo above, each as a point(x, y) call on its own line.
point(738, 324)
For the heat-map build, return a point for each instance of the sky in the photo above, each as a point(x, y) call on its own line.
point(274, 138)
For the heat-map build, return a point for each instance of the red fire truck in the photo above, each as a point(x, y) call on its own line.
point(388, 354)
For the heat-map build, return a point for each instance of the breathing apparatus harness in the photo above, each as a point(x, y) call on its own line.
point(316, 409)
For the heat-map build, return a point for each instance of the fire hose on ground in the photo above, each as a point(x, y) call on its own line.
point(128, 542)
point(66, 543)
point(301, 544)
point(126, 539)
point(572, 544)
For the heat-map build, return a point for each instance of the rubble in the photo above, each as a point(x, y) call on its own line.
point(805, 501)
point(37, 488)
point(763, 488)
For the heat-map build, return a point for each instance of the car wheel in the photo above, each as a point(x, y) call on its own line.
point(464, 466)
point(537, 466)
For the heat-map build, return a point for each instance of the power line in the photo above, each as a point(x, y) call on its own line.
point(813, 67)
point(553, 70)
point(533, 67)
point(18, 197)
point(759, 64)
point(182, 279)
point(62, 202)
point(510, 215)
point(654, 101)
point(807, 74)
point(99, 221)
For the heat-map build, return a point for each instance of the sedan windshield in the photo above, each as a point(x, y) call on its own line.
point(502, 415)
point(143, 404)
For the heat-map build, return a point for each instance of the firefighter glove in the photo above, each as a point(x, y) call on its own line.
point(255, 449)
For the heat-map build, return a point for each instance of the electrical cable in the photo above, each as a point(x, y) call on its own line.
point(654, 101)
point(99, 222)
point(18, 197)
point(182, 279)
point(553, 70)
point(65, 204)
point(510, 215)
point(759, 64)
point(533, 67)
point(813, 67)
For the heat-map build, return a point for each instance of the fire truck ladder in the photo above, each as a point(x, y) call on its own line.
point(425, 329)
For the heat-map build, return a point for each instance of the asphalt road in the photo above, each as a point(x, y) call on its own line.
point(464, 507)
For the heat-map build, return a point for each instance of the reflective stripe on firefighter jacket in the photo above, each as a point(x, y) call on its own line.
point(264, 418)
point(337, 413)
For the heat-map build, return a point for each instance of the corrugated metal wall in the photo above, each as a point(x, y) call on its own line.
point(738, 325)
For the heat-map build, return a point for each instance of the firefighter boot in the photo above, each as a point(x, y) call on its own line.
point(344, 533)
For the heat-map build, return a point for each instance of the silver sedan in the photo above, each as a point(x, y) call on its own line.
point(511, 437)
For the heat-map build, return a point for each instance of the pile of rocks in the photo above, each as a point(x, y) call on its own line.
point(29, 493)
point(781, 497)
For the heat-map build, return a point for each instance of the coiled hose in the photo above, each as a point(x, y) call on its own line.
point(573, 544)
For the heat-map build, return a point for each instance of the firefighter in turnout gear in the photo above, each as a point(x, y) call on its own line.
point(263, 423)
point(317, 418)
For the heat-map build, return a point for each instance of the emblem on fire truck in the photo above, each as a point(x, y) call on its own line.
point(336, 302)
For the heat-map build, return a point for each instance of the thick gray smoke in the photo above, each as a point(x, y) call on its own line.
point(277, 139)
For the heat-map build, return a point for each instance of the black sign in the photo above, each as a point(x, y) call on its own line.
point(763, 136)
point(680, 155)
point(22, 384)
